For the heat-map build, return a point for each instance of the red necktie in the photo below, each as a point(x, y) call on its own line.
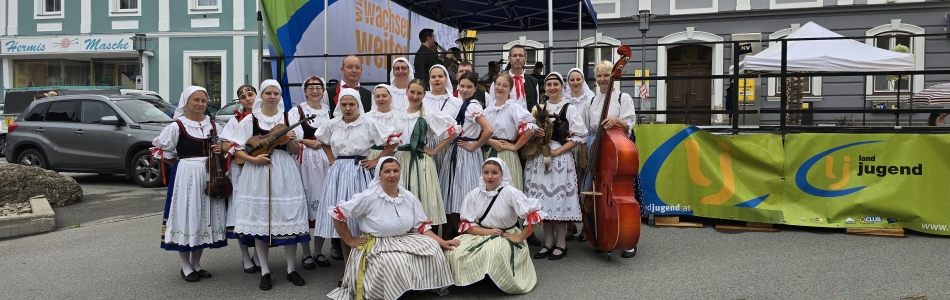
point(456, 94)
point(519, 87)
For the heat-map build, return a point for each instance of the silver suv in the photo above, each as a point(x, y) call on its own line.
point(105, 134)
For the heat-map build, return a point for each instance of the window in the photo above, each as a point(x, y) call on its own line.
point(888, 36)
point(115, 72)
point(36, 114)
point(592, 56)
point(61, 111)
point(48, 9)
point(806, 87)
point(122, 8)
point(607, 9)
point(532, 52)
point(206, 72)
point(93, 111)
point(204, 6)
point(890, 41)
point(27, 73)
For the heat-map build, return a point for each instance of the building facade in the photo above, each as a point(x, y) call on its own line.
point(886, 23)
point(211, 43)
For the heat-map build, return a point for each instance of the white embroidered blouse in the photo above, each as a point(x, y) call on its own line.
point(384, 216)
point(166, 141)
point(510, 206)
point(509, 120)
point(354, 138)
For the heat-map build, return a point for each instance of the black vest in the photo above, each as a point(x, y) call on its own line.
point(365, 95)
point(189, 146)
point(308, 132)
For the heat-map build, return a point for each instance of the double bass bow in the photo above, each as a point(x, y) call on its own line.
point(610, 210)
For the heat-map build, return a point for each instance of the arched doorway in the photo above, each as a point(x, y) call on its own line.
point(689, 94)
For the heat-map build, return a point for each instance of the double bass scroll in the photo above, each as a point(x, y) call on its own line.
point(610, 210)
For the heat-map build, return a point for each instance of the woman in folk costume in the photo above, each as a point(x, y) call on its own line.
point(513, 126)
point(414, 127)
point(579, 94)
point(346, 141)
point(397, 251)
point(271, 205)
point(246, 95)
point(461, 164)
point(492, 243)
point(313, 162)
point(620, 113)
point(382, 112)
point(192, 220)
point(401, 75)
point(555, 182)
point(440, 98)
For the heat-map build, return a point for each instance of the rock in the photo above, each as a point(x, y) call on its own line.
point(19, 183)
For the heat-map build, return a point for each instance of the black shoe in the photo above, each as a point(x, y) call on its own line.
point(557, 256)
point(203, 274)
point(581, 238)
point(265, 282)
point(629, 254)
point(540, 255)
point(308, 265)
point(339, 283)
point(569, 237)
point(191, 277)
point(533, 241)
point(253, 269)
point(335, 249)
point(295, 278)
point(322, 261)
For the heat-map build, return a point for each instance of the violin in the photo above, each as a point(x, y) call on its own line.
point(610, 212)
point(265, 143)
point(219, 185)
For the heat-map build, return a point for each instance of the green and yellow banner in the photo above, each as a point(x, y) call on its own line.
point(819, 179)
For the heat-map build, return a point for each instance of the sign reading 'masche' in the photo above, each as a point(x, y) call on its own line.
point(61, 44)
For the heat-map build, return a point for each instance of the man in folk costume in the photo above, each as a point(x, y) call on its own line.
point(352, 70)
point(467, 67)
point(426, 57)
point(525, 90)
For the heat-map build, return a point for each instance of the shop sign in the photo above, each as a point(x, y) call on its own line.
point(66, 44)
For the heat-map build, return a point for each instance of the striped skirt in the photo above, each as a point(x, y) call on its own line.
point(313, 172)
point(507, 264)
point(459, 178)
point(421, 179)
point(513, 161)
point(438, 158)
point(344, 179)
point(395, 265)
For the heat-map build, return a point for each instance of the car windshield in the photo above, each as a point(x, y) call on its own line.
point(146, 111)
point(229, 109)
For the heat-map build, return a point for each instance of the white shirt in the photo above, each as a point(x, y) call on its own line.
point(513, 96)
point(384, 216)
point(471, 129)
point(354, 138)
point(440, 125)
point(625, 110)
point(167, 140)
point(245, 129)
point(447, 103)
point(510, 206)
point(321, 117)
point(399, 100)
point(506, 119)
point(385, 118)
point(578, 131)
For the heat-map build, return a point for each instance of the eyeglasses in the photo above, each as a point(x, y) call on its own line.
point(314, 88)
point(401, 68)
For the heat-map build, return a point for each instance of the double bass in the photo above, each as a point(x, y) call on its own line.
point(610, 211)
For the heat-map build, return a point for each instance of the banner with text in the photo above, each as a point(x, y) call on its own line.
point(819, 180)
point(353, 27)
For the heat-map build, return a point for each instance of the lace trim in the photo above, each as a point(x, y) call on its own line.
point(275, 119)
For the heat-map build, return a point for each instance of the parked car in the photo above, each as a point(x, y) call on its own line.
point(133, 92)
point(105, 134)
point(226, 113)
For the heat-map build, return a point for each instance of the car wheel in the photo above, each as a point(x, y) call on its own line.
point(3, 145)
point(33, 158)
point(145, 171)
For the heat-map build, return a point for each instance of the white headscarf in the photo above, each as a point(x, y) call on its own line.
point(588, 94)
point(392, 74)
point(448, 81)
point(260, 91)
point(323, 82)
point(505, 174)
point(348, 92)
point(389, 89)
point(376, 187)
point(183, 101)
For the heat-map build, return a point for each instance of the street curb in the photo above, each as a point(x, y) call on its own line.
point(42, 219)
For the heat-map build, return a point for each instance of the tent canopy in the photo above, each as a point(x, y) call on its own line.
point(826, 55)
point(504, 15)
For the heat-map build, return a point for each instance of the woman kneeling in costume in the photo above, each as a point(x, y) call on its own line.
point(492, 244)
point(392, 256)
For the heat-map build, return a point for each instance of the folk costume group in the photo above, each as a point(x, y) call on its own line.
point(381, 177)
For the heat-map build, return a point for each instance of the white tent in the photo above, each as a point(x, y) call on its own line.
point(826, 55)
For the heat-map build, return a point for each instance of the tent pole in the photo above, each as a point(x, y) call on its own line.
point(580, 35)
point(260, 47)
point(409, 30)
point(326, 16)
point(550, 34)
